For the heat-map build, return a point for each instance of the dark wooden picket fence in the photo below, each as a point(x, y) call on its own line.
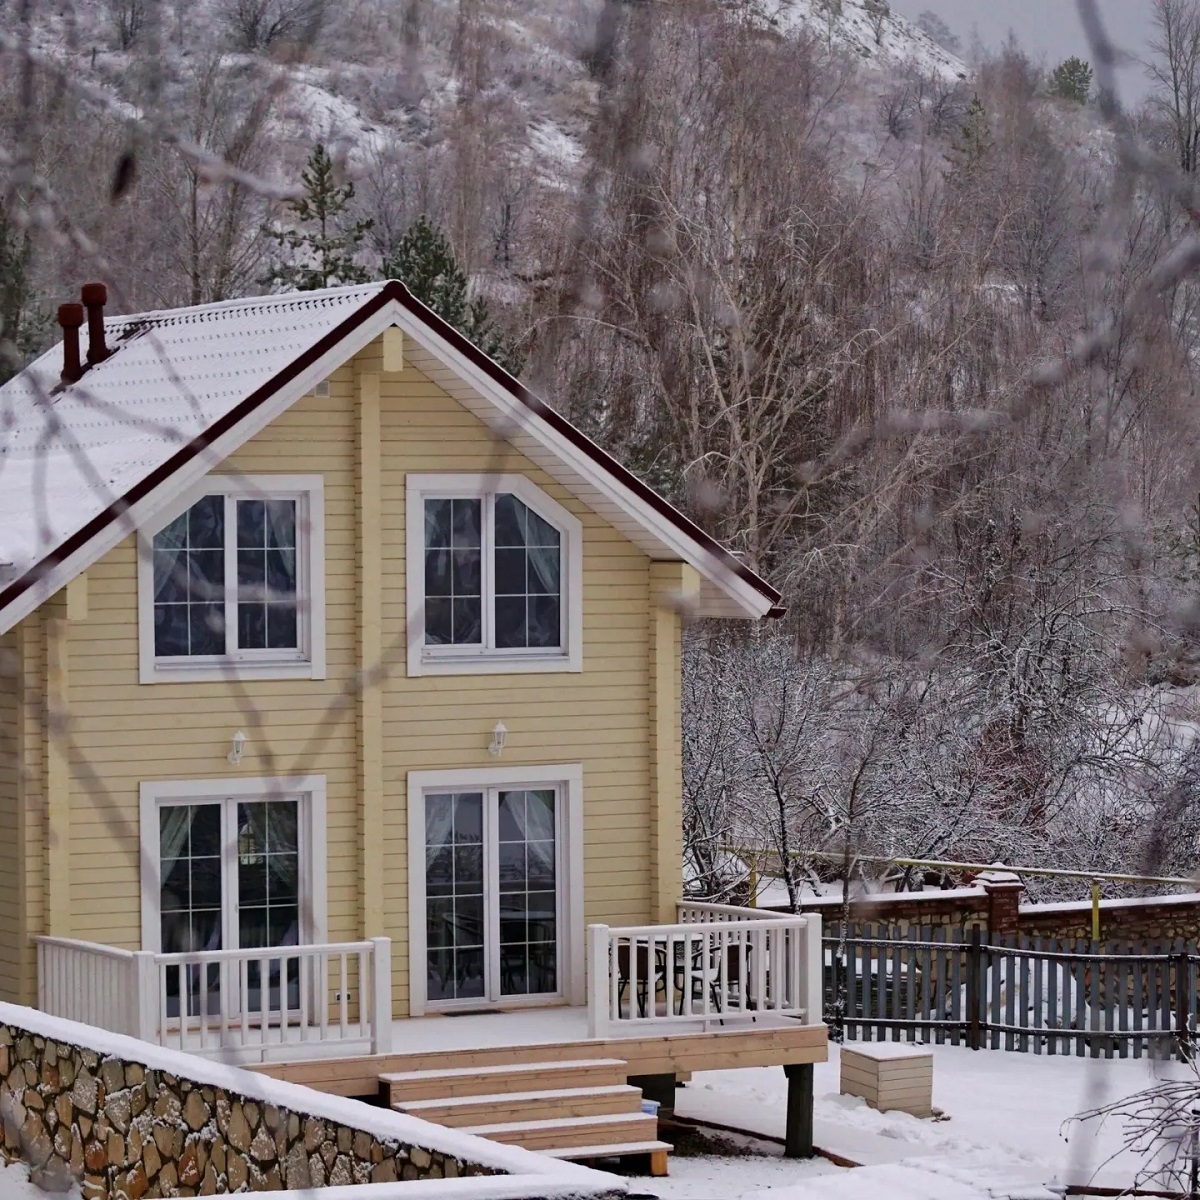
point(1030, 994)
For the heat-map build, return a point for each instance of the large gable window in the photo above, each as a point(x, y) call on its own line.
point(493, 576)
point(234, 582)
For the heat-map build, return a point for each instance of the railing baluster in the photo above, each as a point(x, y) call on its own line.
point(342, 1005)
point(323, 993)
point(264, 1001)
point(363, 993)
point(723, 968)
point(706, 968)
point(162, 1002)
point(305, 972)
point(614, 984)
point(202, 964)
point(226, 999)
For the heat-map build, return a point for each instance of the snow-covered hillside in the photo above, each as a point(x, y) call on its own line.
point(852, 25)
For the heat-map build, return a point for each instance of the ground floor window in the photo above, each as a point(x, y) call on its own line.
point(231, 868)
point(494, 886)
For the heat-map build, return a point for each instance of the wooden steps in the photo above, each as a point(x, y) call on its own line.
point(576, 1108)
point(463, 1111)
point(396, 1088)
point(559, 1132)
point(655, 1151)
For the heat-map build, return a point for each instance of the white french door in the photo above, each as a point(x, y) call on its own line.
point(494, 868)
point(231, 877)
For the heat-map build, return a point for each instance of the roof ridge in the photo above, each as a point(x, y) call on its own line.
point(285, 300)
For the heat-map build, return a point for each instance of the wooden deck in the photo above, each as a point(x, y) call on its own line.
point(500, 1039)
point(535, 1078)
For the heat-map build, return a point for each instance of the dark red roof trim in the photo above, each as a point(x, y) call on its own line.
point(392, 290)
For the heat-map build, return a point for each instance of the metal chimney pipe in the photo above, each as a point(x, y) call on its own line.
point(70, 317)
point(95, 297)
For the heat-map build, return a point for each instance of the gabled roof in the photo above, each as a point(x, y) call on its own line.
point(81, 465)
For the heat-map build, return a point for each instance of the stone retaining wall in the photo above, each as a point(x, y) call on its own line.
point(121, 1129)
point(1120, 921)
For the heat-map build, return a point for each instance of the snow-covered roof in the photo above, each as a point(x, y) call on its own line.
point(83, 464)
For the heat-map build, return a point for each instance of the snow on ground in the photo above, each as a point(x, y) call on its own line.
point(711, 1178)
point(1007, 1111)
point(934, 1180)
point(15, 1185)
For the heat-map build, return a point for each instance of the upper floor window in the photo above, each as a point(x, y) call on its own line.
point(235, 582)
point(494, 576)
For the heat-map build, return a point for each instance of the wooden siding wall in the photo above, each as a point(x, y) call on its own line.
point(11, 875)
point(23, 834)
point(598, 717)
point(125, 733)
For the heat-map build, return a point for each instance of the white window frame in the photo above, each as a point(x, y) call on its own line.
point(480, 660)
point(568, 779)
point(312, 791)
point(308, 662)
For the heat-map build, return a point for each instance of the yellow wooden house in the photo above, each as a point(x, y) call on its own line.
point(339, 694)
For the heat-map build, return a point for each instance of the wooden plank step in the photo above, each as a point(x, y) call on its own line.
point(657, 1152)
point(512, 1107)
point(397, 1087)
point(571, 1131)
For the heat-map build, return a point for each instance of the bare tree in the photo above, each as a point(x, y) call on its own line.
point(261, 24)
point(896, 109)
point(212, 238)
point(1174, 70)
point(878, 12)
point(128, 21)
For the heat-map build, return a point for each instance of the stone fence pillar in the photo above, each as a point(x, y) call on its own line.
point(1004, 889)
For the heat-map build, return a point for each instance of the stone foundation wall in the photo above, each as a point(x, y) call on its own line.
point(121, 1129)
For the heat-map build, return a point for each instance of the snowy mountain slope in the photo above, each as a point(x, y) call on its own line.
point(850, 26)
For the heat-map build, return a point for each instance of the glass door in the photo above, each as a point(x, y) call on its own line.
point(454, 900)
point(230, 879)
point(268, 897)
point(191, 902)
point(492, 897)
point(527, 896)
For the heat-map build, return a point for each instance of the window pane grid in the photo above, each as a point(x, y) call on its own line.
point(267, 617)
point(528, 899)
point(189, 582)
point(225, 578)
point(454, 888)
point(190, 870)
point(453, 572)
point(255, 903)
point(493, 575)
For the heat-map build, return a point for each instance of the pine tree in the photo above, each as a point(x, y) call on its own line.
point(974, 141)
point(1072, 80)
point(424, 262)
point(323, 252)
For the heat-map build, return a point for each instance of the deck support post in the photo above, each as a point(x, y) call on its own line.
point(659, 1088)
point(798, 1142)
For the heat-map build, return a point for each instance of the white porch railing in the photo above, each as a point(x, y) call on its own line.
point(97, 985)
point(691, 911)
point(720, 972)
point(246, 1005)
